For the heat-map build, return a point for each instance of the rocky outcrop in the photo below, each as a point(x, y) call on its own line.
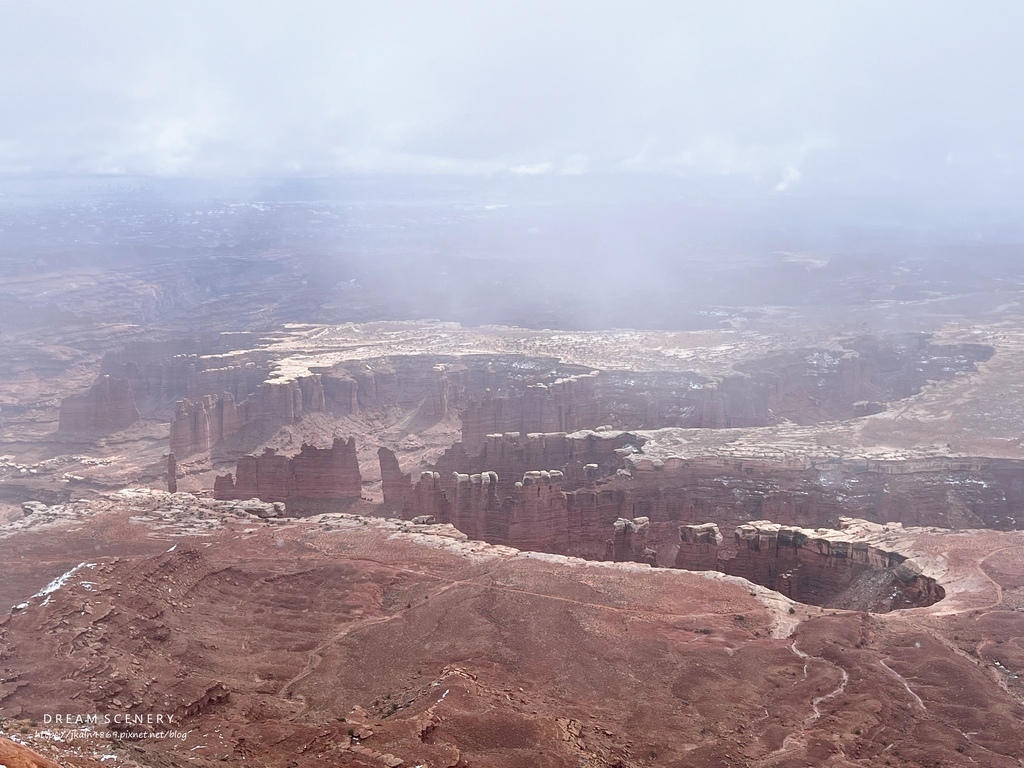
point(432, 386)
point(698, 549)
point(582, 457)
point(475, 508)
point(108, 406)
point(160, 372)
point(14, 755)
point(630, 542)
point(568, 404)
point(397, 486)
point(951, 492)
point(199, 424)
point(574, 515)
point(239, 381)
point(316, 480)
point(172, 474)
point(837, 568)
point(283, 402)
point(804, 386)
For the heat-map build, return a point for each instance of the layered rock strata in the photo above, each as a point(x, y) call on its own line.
point(837, 568)
point(698, 549)
point(630, 542)
point(396, 485)
point(108, 406)
point(949, 492)
point(533, 516)
point(565, 405)
point(201, 423)
point(512, 455)
point(316, 480)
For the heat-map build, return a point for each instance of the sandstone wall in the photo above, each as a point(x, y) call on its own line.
point(200, 423)
point(397, 486)
point(820, 567)
point(425, 383)
point(629, 542)
point(582, 457)
point(576, 515)
point(956, 492)
point(316, 480)
point(108, 406)
point(159, 371)
point(568, 404)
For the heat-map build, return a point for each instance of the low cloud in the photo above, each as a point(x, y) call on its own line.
point(534, 169)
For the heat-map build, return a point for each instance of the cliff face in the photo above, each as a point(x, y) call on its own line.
point(953, 493)
point(397, 486)
point(803, 386)
point(566, 405)
point(698, 549)
point(576, 514)
point(317, 480)
point(425, 383)
point(512, 455)
point(629, 542)
point(821, 567)
point(248, 398)
point(199, 425)
point(524, 395)
point(159, 372)
point(108, 406)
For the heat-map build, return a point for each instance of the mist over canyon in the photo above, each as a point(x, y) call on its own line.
point(478, 386)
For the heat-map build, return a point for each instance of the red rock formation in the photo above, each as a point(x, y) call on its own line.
point(14, 755)
point(630, 542)
point(108, 406)
point(166, 371)
point(429, 499)
point(283, 402)
point(160, 372)
point(172, 474)
point(698, 549)
point(546, 516)
point(201, 423)
point(397, 486)
point(198, 425)
point(567, 405)
point(240, 381)
point(416, 382)
point(318, 479)
point(822, 567)
point(537, 514)
point(475, 508)
point(512, 455)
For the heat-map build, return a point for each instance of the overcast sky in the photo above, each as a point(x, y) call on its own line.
point(778, 91)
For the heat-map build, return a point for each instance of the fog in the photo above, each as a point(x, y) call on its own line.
point(918, 97)
point(546, 164)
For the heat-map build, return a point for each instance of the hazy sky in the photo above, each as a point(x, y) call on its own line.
point(780, 91)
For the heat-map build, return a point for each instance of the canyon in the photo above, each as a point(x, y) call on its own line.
point(518, 478)
point(768, 540)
